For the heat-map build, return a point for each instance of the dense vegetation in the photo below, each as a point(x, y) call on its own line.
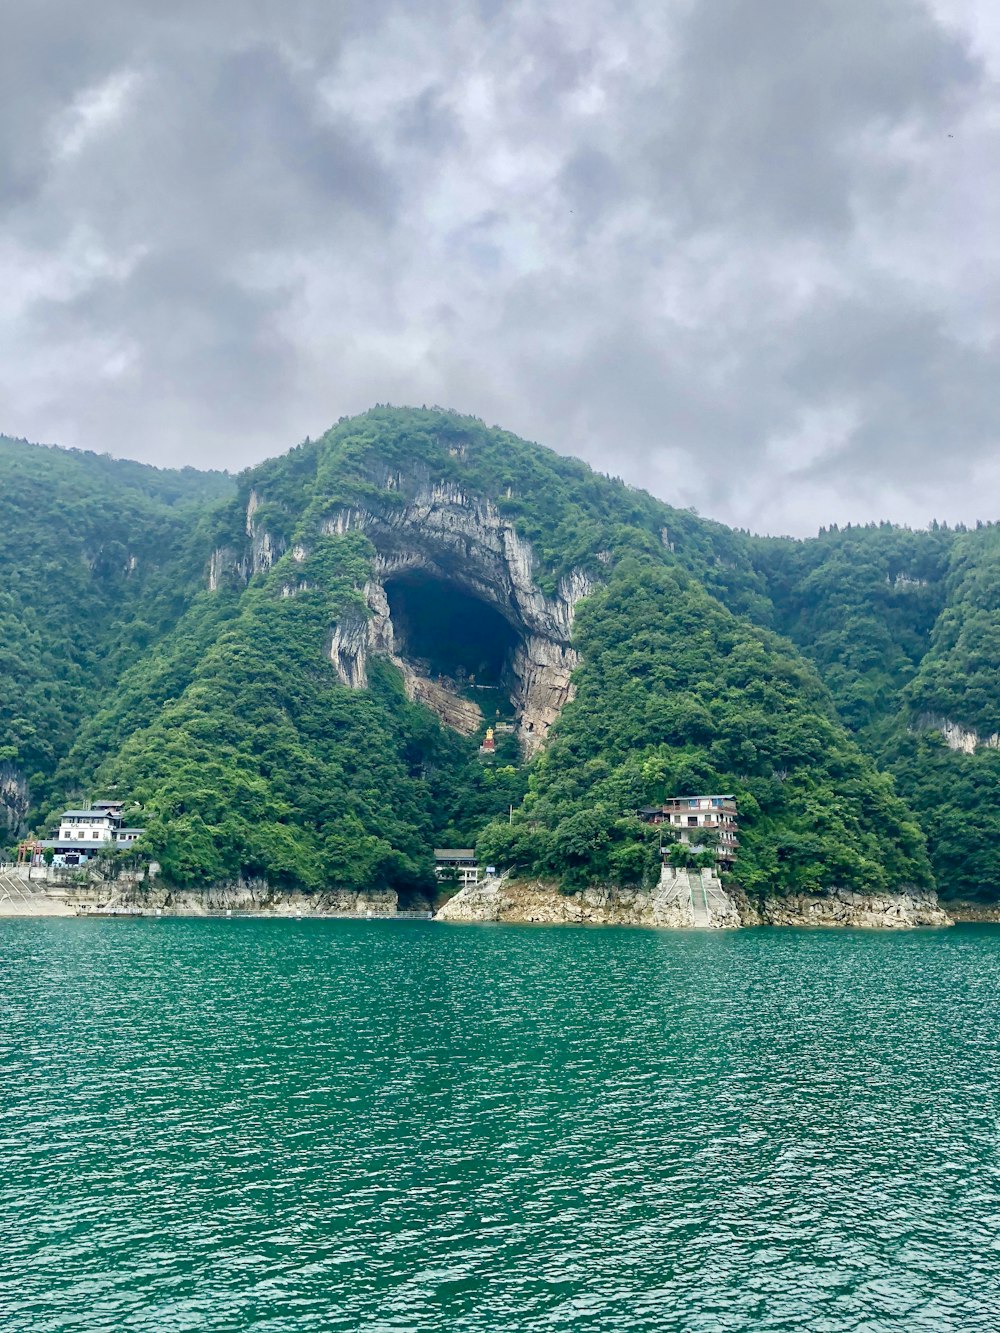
point(904, 628)
point(677, 695)
point(220, 712)
point(100, 557)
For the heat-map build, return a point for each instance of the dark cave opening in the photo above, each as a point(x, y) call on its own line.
point(449, 631)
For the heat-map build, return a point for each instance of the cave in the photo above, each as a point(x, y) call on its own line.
point(449, 632)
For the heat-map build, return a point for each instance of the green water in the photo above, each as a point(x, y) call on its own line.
point(290, 1125)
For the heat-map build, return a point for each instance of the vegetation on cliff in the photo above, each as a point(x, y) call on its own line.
point(675, 695)
point(100, 558)
point(808, 678)
point(904, 628)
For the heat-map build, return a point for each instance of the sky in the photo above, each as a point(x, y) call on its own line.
point(745, 255)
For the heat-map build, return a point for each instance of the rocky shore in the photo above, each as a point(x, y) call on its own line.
point(844, 907)
point(124, 897)
point(253, 896)
point(682, 899)
point(667, 905)
point(972, 912)
point(670, 904)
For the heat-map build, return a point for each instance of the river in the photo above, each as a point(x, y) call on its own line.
point(324, 1125)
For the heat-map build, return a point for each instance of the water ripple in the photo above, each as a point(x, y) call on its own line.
point(278, 1125)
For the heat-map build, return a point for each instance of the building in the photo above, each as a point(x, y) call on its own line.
point(685, 816)
point(83, 834)
point(458, 864)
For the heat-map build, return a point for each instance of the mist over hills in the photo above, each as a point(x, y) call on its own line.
point(292, 671)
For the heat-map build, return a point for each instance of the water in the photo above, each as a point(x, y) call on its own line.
point(281, 1125)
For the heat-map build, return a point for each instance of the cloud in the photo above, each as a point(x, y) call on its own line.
point(745, 256)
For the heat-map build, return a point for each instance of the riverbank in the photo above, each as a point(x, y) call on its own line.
point(674, 902)
point(23, 897)
point(681, 900)
point(972, 912)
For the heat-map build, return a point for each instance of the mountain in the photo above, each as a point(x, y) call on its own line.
point(904, 628)
point(293, 671)
point(100, 558)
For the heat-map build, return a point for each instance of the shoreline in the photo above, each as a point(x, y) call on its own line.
point(665, 906)
point(965, 915)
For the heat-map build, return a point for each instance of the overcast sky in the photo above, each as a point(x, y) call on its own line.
point(744, 253)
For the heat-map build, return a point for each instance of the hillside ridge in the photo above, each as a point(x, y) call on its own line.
point(320, 625)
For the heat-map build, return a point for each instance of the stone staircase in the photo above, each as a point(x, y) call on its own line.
point(700, 912)
point(20, 896)
point(696, 898)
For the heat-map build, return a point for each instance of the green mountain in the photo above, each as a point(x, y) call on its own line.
point(904, 628)
point(293, 672)
point(100, 558)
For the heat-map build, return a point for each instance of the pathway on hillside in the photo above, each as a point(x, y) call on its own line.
point(22, 897)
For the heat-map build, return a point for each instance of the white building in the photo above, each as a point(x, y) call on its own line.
point(686, 815)
point(85, 833)
point(97, 825)
point(458, 863)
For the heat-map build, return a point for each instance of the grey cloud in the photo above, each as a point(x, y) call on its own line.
point(717, 249)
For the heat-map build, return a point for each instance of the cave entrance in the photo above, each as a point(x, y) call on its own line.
point(450, 633)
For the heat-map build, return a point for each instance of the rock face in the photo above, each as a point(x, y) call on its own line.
point(467, 543)
point(461, 714)
point(260, 553)
point(844, 907)
point(14, 800)
point(674, 902)
point(963, 739)
point(436, 529)
point(964, 911)
point(685, 899)
point(244, 896)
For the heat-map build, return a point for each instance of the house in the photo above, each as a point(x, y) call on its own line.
point(458, 864)
point(686, 815)
point(83, 834)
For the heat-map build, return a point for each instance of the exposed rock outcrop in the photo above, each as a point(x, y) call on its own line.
point(972, 912)
point(964, 739)
point(348, 649)
point(457, 539)
point(225, 565)
point(683, 899)
point(462, 715)
point(242, 896)
point(844, 907)
point(678, 900)
point(264, 548)
point(14, 800)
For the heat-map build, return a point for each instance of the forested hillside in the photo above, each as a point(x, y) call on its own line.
point(100, 557)
point(904, 628)
point(261, 663)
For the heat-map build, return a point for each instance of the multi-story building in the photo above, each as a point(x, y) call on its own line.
point(83, 834)
point(686, 816)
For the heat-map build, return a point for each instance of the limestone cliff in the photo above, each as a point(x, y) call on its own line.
point(966, 740)
point(460, 541)
point(686, 899)
point(682, 898)
point(14, 800)
point(467, 543)
point(252, 896)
